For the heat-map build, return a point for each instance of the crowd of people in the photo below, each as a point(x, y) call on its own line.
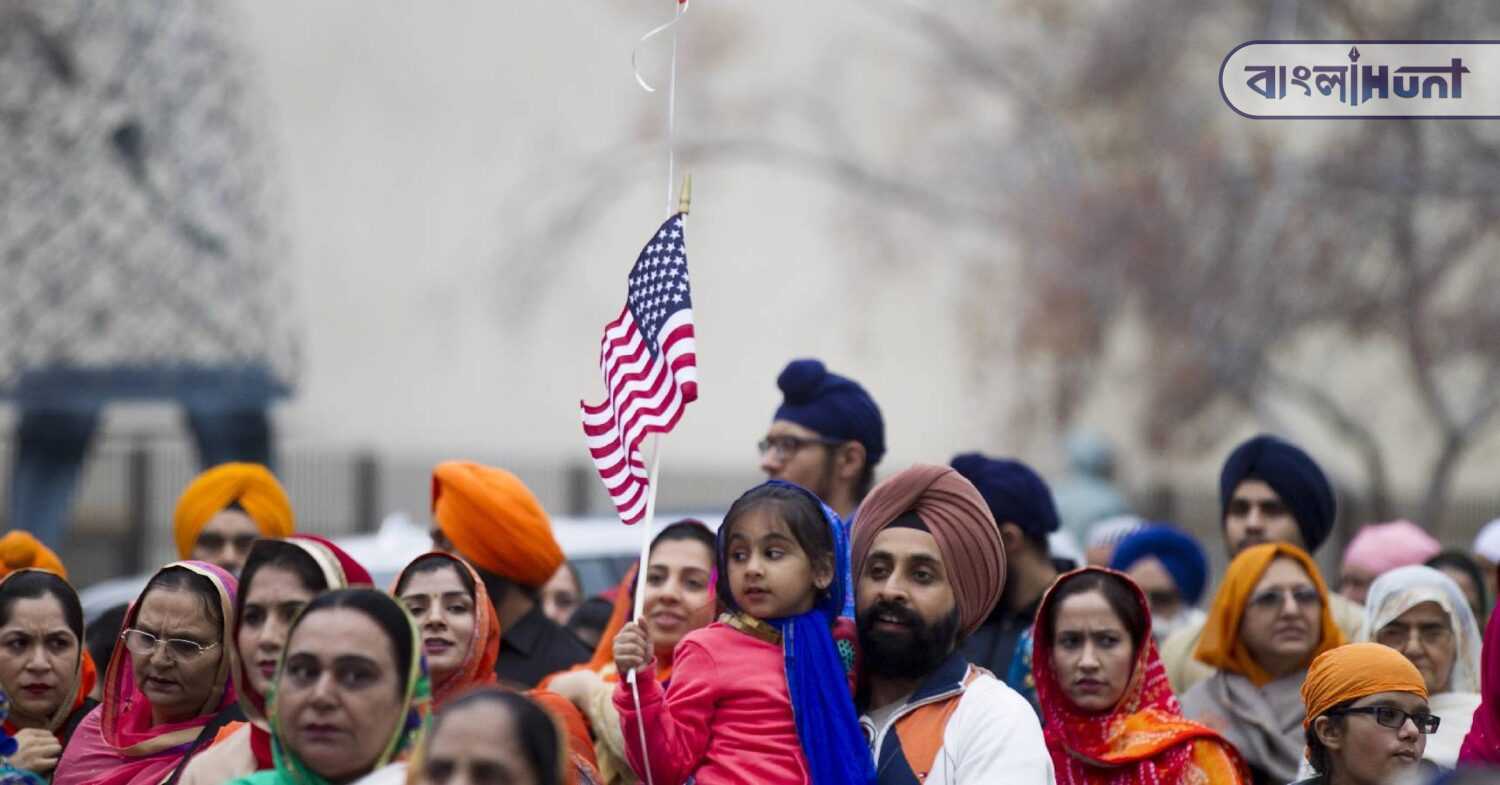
point(831, 630)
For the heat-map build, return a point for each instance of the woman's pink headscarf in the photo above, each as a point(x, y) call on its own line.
point(116, 744)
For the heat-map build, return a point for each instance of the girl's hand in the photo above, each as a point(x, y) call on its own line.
point(39, 751)
point(632, 648)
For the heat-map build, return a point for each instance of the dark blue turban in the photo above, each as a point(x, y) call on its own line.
point(1014, 492)
point(1292, 474)
point(834, 406)
point(1176, 550)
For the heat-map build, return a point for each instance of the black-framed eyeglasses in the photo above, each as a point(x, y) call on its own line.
point(785, 445)
point(1272, 599)
point(144, 644)
point(1392, 717)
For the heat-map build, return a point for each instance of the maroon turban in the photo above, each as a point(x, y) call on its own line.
point(958, 518)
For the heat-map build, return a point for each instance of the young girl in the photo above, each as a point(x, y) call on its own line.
point(762, 695)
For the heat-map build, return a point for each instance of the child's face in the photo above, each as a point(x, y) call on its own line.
point(769, 573)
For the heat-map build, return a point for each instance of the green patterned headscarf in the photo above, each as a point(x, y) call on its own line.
point(416, 707)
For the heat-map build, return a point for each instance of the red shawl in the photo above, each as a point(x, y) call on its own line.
point(117, 744)
point(1482, 745)
point(1144, 738)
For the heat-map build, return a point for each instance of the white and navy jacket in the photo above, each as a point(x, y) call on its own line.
point(961, 727)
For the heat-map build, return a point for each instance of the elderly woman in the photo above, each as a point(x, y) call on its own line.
point(679, 599)
point(1423, 614)
point(43, 667)
point(350, 697)
point(1269, 620)
point(491, 735)
point(1108, 714)
point(1367, 716)
point(460, 634)
point(279, 579)
point(167, 681)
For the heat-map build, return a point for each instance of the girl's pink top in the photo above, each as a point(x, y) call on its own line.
point(726, 718)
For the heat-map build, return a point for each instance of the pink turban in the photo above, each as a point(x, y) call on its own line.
point(1379, 548)
point(957, 517)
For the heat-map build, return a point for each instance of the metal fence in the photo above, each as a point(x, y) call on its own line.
point(122, 514)
point(121, 522)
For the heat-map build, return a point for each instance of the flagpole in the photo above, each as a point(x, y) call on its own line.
point(640, 590)
point(654, 476)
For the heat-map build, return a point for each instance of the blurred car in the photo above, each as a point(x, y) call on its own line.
point(598, 547)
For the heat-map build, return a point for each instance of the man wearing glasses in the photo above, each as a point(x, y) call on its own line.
point(827, 436)
point(1270, 490)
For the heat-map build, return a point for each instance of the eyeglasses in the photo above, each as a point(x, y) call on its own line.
point(144, 644)
point(1272, 599)
point(786, 446)
point(1390, 717)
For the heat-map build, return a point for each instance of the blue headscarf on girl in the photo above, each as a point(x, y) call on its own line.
point(827, 724)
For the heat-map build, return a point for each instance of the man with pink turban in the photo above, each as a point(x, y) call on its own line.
point(1379, 548)
point(928, 567)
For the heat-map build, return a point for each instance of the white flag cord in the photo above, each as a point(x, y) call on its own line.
point(682, 8)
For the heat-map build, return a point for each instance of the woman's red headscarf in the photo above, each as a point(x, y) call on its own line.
point(84, 675)
point(478, 666)
point(117, 743)
point(1144, 738)
point(340, 571)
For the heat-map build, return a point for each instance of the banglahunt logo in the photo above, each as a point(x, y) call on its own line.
point(1340, 80)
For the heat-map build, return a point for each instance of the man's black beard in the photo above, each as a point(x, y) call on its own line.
point(905, 656)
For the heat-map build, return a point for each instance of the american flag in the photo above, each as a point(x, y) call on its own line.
point(650, 364)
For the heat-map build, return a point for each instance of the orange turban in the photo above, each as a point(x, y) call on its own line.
point(1351, 672)
point(19, 550)
point(1220, 646)
point(250, 485)
point(495, 522)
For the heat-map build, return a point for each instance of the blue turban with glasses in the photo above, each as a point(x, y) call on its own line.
point(834, 406)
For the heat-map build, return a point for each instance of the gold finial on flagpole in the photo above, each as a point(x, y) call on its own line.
point(685, 196)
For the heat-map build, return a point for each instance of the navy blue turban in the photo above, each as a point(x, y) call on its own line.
point(1292, 474)
point(1176, 550)
point(1014, 493)
point(834, 406)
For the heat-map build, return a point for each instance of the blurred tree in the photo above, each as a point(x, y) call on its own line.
point(1275, 272)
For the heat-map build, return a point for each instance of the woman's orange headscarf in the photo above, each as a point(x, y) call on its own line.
point(1221, 647)
point(19, 550)
point(478, 666)
point(249, 485)
point(603, 661)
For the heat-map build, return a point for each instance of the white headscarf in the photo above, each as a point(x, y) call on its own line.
point(1404, 588)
